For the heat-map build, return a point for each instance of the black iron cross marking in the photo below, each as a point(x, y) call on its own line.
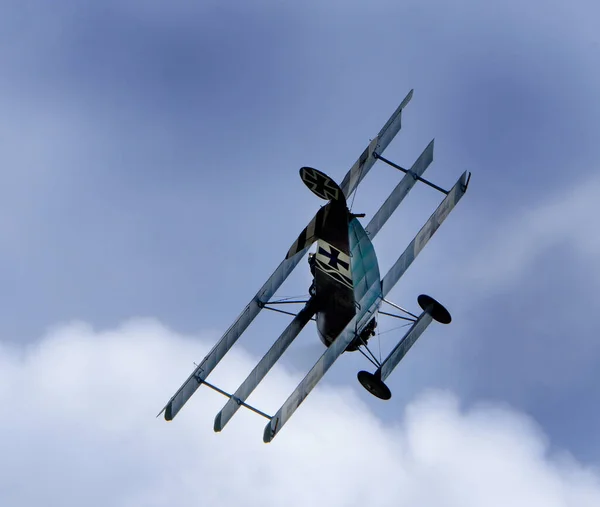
point(333, 257)
point(321, 185)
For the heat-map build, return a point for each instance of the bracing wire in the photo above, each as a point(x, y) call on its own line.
point(368, 357)
point(287, 298)
point(396, 328)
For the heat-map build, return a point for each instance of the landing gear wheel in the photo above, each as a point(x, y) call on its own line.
point(374, 385)
point(437, 310)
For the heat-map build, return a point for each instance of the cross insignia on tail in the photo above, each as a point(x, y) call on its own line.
point(320, 184)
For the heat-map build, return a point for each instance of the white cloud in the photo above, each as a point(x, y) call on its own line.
point(565, 219)
point(78, 429)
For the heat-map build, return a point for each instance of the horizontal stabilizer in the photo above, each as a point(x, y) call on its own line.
point(309, 234)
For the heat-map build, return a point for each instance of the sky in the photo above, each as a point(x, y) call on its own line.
point(150, 158)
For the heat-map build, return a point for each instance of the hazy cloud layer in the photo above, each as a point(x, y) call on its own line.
point(565, 219)
point(80, 429)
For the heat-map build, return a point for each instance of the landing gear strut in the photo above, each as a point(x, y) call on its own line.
point(374, 382)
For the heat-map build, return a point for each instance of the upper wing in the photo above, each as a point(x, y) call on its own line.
point(231, 335)
point(354, 176)
point(366, 160)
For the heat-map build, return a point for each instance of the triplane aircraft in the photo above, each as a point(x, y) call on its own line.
point(347, 290)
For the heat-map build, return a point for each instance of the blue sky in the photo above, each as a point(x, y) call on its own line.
point(150, 156)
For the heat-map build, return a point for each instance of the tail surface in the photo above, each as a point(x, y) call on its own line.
point(321, 185)
point(324, 187)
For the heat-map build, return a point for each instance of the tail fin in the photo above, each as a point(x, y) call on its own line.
point(321, 185)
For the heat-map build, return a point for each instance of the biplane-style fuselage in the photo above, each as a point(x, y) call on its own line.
point(346, 281)
point(346, 285)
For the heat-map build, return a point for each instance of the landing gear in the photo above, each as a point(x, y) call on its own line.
point(435, 309)
point(373, 383)
point(369, 330)
point(363, 338)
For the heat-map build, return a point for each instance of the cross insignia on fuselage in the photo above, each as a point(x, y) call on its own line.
point(334, 260)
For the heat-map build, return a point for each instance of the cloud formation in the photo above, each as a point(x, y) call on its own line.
point(566, 218)
point(79, 429)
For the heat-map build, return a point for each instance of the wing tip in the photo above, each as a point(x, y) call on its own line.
point(268, 434)
point(408, 98)
point(168, 410)
point(218, 426)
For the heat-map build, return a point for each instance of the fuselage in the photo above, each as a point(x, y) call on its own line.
point(346, 285)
